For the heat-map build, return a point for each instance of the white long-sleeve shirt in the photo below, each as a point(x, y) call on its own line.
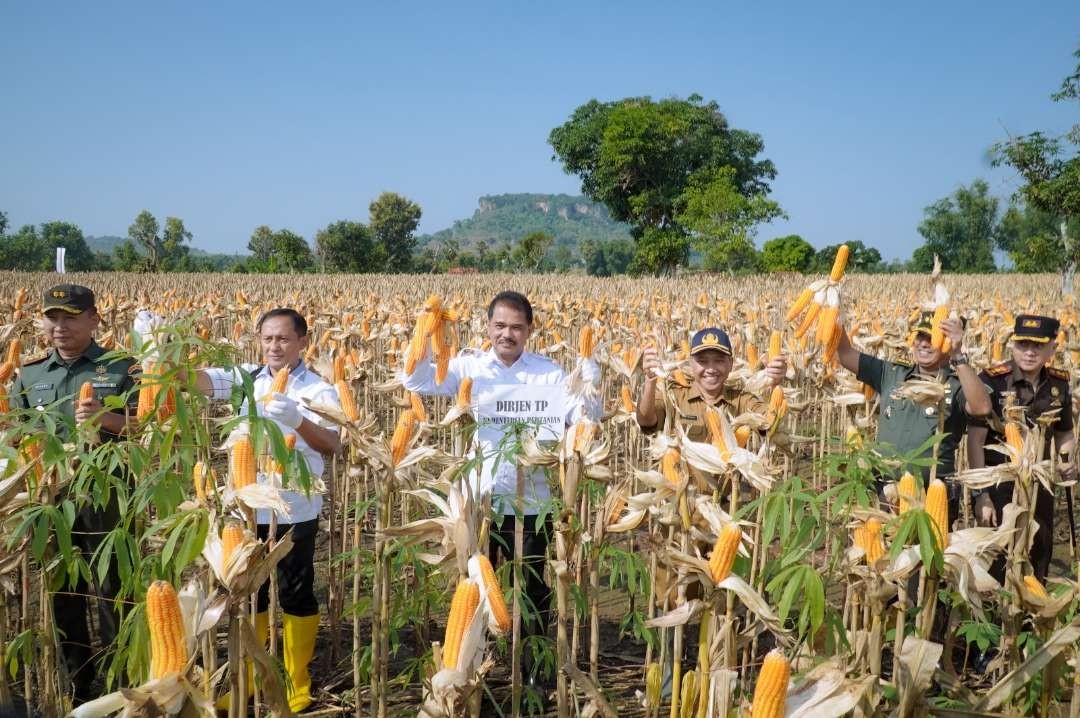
point(488, 372)
point(303, 384)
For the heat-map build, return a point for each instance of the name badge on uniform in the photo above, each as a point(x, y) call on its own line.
point(104, 384)
point(41, 387)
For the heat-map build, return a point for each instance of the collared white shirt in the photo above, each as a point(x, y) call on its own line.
point(487, 371)
point(303, 384)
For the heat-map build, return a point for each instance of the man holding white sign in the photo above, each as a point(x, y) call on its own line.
point(511, 386)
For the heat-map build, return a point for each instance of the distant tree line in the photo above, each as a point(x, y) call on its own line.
point(693, 190)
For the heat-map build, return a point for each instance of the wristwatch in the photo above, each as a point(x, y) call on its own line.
point(958, 360)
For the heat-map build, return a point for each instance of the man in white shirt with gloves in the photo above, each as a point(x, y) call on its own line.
point(283, 334)
point(510, 324)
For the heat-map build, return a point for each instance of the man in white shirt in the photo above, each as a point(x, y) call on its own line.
point(510, 324)
point(283, 335)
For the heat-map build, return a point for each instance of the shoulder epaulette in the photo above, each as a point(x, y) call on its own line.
point(36, 359)
point(906, 363)
point(999, 370)
point(1057, 373)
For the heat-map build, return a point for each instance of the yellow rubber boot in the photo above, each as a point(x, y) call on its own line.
point(298, 643)
point(262, 629)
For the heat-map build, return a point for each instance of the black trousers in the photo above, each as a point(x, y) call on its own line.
point(295, 572)
point(1042, 547)
point(71, 605)
point(534, 551)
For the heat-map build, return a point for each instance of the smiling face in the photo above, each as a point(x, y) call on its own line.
point(710, 369)
point(69, 333)
point(1032, 356)
point(281, 344)
point(508, 329)
point(924, 353)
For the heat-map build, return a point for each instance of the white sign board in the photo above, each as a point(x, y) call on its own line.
point(61, 253)
point(543, 406)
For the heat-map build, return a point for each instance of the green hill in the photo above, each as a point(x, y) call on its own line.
point(509, 217)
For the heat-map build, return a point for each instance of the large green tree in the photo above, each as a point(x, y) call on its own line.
point(860, 258)
point(530, 250)
point(153, 250)
point(960, 229)
point(1032, 239)
point(661, 165)
point(347, 246)
point(393, 222)
point(23, 250)
point(1049, 167)
point(281, 251)
point(77, 258)
point(787, 254)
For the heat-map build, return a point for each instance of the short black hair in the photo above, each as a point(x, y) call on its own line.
point(514, 300)
point(299, 323)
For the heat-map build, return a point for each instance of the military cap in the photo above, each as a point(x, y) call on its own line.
point(72, 298)
point(710, 338)
point(1034, 328)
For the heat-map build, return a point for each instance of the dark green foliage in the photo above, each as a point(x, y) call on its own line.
point(676, 172)
point(393, 221)
point(860, 259)
point(280, 251)
point(349, 247)
point(787, 254)
point(1032, 239)
point(961, 230)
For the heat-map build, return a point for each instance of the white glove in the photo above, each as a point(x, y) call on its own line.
point(590, 371)
point(283, 410)
point(146, 324)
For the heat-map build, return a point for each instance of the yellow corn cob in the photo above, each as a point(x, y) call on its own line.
point(168, 647)
point(908, 490)
point(5, 402)
point(1014, 437)
point(231, 538)
point(777, 403)
point(339, 367)
point(14, 352)
point(752, 357)
point(403, 433)
point(86, 391)
point(1035, 587)
point(277, 386)
point(348, 401)
point(937, 335)
point(839, 263)
point(724, 551)
point(496, 602)
point(770, 692)
point(716, 431)
point(617, 507)
point(464, 393)
point(868, 391)
point(290, 444)
point(827, 325)
point(462, 608)
point(800, 304)
point(198, 479)
point(442, 365)
point(627, 400)
point(937, 505)
point(995, 352)
point(586, 342)
point(742, 435)
point(417, 406)
point(583, 433)
point(868, 538)
point(679, 377)
point(147, 398)
point(776, 340)
point(833, 344)
point(808, 320)
point(689, 694)
point(654, 676)
point(168, 404)
point(6, 370)
point(669, 466)
point(242, 463)
point(20, 298)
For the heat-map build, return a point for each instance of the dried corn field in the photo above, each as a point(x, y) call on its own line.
point(780, 585)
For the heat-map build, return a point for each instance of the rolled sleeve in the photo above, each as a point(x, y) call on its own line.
point(661, 417)
point(871, 371)
point(223, 380)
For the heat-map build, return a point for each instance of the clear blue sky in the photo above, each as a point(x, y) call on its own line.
point(231, 115)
